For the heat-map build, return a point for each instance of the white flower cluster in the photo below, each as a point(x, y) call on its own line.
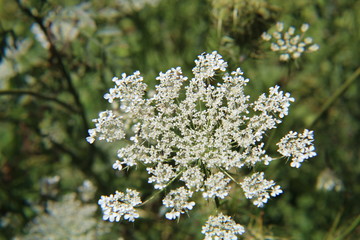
point(49, 186)
point(216, 186)
point(12, 63)
point(65, 24)
point(199, 137)
point(297, 147)
point(113, 130)
point(177, 200)
point(68, 218)
point(289, 44)
point(221, 227)
point(120, 204)
point(256, 186)
point(87, 191)
point(329, 181)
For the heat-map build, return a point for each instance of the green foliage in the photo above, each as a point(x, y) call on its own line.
point(50, 92)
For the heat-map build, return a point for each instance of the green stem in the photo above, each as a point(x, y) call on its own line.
point(270, 138)
point(228, 174)
point(217, 202)
point(348, 230)
point(341, 90)
point(290, 64)
point(334, 225)
point(158, 192)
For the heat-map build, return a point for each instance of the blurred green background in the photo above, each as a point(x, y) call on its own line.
point(58, 59)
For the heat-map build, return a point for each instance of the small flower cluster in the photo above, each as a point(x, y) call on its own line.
point(178, 200)
point(256, 186)
point(87, 191)
point(221, 227)
point(297, 146)
point(289, 44)
point(120, 205)
point(329, 181)
point(68, 218)
point(49, 186)
point(12, 60)
point(65, 25)
point(198, 139)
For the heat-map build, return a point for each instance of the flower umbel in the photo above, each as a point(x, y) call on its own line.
point(177, 200)
point(120, 205)
point(221, 227)
point(257, 187)
point(199, 139)
point(297, 146)
point(289, 45)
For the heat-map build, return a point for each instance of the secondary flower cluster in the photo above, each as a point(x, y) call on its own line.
point(120, 205)
point(199, 138)
point(221, 227)
point(288, 44)
point(67, 218)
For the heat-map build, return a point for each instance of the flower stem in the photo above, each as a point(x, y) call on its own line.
point(228, 174)
point(341, 90)
point(158, 192)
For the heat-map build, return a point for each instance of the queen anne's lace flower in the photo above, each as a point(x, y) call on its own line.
point(288, 44)
point(277, 103)
point(193, 178)
point(199, 132)
point(221, 227)
point(129, 90)
point(216, 186)
point(67, 218)
point(120, 205)
point(208, 64)
point(162, 174)
point(109, 127)
point(178, 200)
point(117, 165)
point(297, 146)
point(259, 188)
